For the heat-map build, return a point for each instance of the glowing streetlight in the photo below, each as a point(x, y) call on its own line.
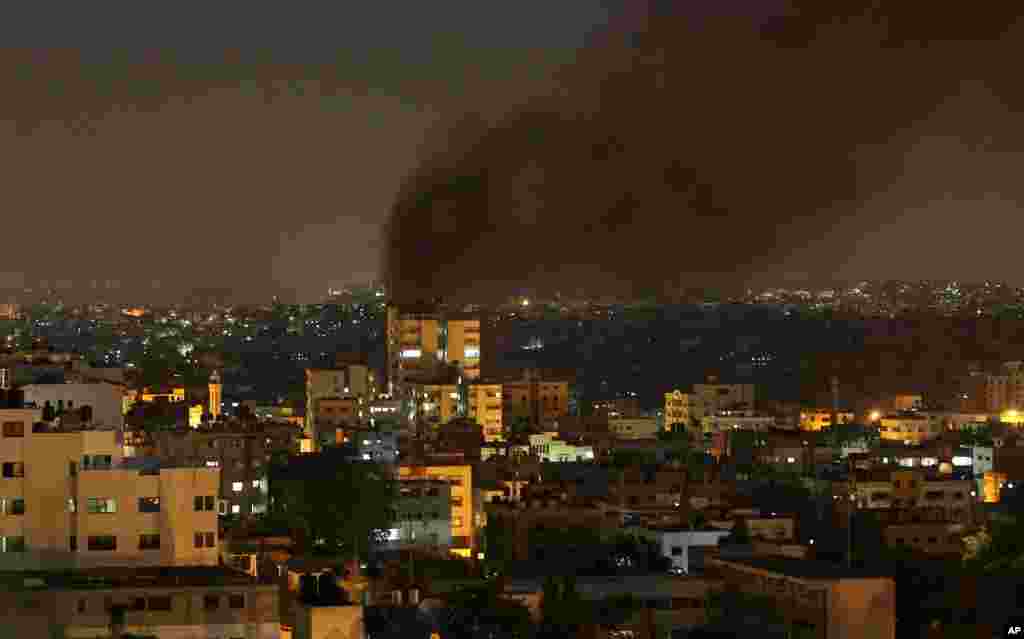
point(875, 415)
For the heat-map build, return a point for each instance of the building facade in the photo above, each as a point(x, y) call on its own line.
point(68, 501)
point(103, 399)
point(466, 513)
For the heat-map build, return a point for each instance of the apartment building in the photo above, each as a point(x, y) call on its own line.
point(422, 515)
point(485, 406)
point(422, 340)
point(1004, 391)
point(909, 427)
point(241, 451)
point(543, 402)
point(103, 400)
point(164, 602)
point(725, 423)
point(68, 501)
point(821, 418)
point(335, 396)
point(466, 511)
point(640, 428)
point(713, 398)
point(817, 599)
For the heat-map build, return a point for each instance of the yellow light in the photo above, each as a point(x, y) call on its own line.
point(1010, 415)
point(875, 415)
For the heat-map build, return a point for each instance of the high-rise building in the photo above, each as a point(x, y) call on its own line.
point(421, 342)
point(541, 401)
point(1005, 391)
point(68, 501)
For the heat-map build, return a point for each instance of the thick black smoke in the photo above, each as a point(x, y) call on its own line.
point(700, 152)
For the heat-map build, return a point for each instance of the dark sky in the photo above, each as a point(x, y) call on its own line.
point(756, 143)
point(254, 150)
point(730, 141)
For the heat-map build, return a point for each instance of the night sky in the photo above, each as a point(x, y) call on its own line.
point(603, 146)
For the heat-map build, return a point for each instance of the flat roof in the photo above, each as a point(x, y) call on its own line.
point(142, 577)
point(806, 568)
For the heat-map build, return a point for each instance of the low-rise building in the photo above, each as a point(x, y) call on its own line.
point(818, 599)
point(154, 602)
point(639, 428)
point(422, 515)
point(910, 427)
point(547, 448)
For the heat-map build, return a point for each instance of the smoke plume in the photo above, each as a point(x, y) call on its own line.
point(701, 150)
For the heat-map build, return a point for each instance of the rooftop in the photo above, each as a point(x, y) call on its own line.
point(807, 569)
point(141, 577)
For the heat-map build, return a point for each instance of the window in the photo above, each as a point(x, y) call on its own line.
point(932, 540)
point(211, 602)
point(255, 483)
point(204, 503)
point(223, 508)
point(72, 469)
point(81, 606)
point(159, 603)
point(149, 542)
point(10, 470)
point(149, 504)
point(102, 542)
point(236, 509)
point(205, 540)
point(236, 601)
point(456, 501)
point(237, 486)
point(139, 604)
point(12, 506)
point(456, 522)
point(101, 505)
point(73, 543)
point(96, 462)
point(14, 429)
point(12, 544)
point(677, 551)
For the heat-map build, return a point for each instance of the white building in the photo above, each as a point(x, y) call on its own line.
point(103, 398)
point(549, 449)
point(675, 543)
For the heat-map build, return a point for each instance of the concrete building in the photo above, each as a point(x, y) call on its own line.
point(422, 340)
point(485, 407)
point(242, 453)
point(335, 395)
point(714, 398)
point(68, 501)
point(681, 409)
point(1005, 391)
point(547, 448)
point(818, 599)
point(166, 603)
point(675, 543)
point(104, 400)
point(542, 401)
point(642, 428)
point(466, 511)
point(722, 423)
point(422, 515)
point(821, 418)
point(909, 427)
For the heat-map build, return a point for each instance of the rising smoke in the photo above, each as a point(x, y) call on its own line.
point(700, 151)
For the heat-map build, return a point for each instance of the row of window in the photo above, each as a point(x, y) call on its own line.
point(165, 603)
point(108, 543)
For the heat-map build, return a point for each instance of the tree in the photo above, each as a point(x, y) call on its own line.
point(482, 611)
point(999, 549)
point(343, 510)
point(977, 435)
point(563, 611)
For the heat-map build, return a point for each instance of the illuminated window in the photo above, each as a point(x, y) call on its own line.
point(411, 353)
point(236, 486)
point(472, 352)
